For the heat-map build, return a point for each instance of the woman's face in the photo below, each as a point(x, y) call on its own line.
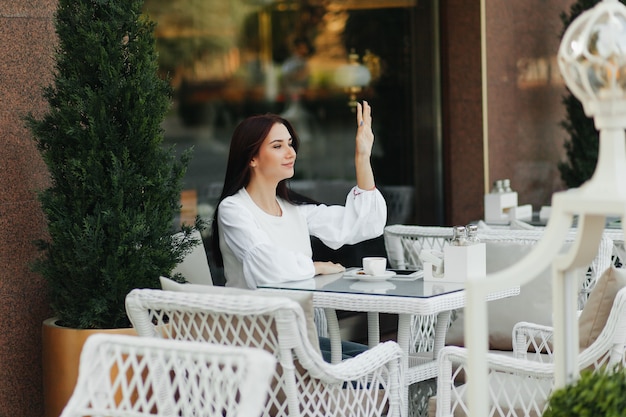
point(276, 158)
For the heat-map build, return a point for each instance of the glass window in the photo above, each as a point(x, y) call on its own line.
point(227, 60)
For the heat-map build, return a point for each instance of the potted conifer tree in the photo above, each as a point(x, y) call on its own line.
point(114, 188)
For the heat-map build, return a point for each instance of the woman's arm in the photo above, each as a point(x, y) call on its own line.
point(365, 212)
point(363, 149)
point(363, 217)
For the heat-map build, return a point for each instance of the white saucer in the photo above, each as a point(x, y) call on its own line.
point(362, 276)
point(373, 287)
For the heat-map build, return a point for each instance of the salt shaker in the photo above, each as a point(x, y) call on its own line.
point(472, 234)
point(497, 187)
point(506, 185)
point(459, 236)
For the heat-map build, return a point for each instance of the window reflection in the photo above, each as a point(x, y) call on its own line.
point(229, 59)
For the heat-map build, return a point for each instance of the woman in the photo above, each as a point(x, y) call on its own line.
point(261, 229)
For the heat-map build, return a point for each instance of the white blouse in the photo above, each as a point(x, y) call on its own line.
point(259, 248)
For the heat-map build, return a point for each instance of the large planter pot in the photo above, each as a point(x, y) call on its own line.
point(61, 357)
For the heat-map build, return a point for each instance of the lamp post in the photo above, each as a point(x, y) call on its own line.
point(592, 59)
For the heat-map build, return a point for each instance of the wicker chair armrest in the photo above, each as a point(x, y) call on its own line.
point(457, 357)
point(532, 339)
point(377, 372)
point(527, 383)
point(382, 355)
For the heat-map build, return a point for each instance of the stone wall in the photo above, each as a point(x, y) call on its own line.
point(26, 47)
point(525, 90)
point(524, 110)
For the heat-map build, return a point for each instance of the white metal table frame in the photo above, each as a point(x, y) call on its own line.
point(417, 367)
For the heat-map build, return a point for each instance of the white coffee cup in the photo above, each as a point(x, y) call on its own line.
point(374, 265)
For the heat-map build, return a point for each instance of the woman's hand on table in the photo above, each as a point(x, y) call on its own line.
point(325, 268)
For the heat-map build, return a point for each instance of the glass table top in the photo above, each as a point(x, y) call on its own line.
point(348, 282)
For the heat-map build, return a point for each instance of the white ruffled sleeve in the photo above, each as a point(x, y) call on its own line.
point(263, 261)
point(363, 217)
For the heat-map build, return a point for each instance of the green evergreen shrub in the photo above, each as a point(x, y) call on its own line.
point(115, 190)
point(595, 394)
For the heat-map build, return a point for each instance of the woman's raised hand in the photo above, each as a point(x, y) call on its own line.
point(364, 134)
point(364, 143)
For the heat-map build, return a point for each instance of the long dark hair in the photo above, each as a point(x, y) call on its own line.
point(245, 143)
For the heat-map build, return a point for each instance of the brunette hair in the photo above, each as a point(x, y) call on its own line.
point(245, 143)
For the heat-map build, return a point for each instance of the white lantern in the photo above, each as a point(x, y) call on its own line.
point(592, 59)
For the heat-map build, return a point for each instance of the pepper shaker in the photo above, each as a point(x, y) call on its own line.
point(472, 234)
point(506, 185)
point(459, 236)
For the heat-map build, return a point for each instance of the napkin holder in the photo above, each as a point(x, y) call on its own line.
point(459, 264)
point(544, 213)
point(501, 208)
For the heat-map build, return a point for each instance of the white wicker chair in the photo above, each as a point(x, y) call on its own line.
point(520, 385)
point(404, 243)
point(195, 265)
point(619, 250)
point(530, 237)
point(399, 200)
point(123, 376)
point(303, 384)
point(196, 270)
